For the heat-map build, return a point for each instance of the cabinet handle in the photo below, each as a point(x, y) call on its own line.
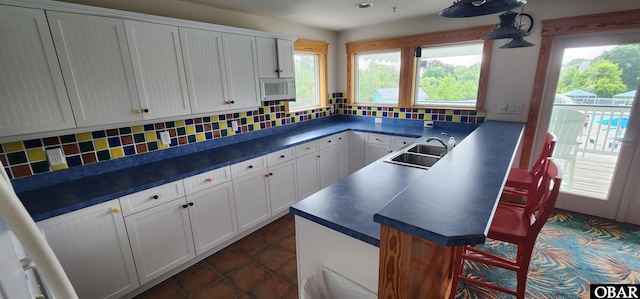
point(266, 175)
point(233, 102)
point(145, 110)
point(281, 156)
point(389, 151)
point(308, 148)
point(270, 173)
point(378, 139)
point(250, 166)
point(138, 111)
point(279, 71)
point(318, 156)
point(340, 138)
point(209, 180)
point(229, 102)
point(187, 205)
point(155, 197)
point(116, 210)
point(329, 141)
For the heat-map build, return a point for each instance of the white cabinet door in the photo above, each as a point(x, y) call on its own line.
point(267, 51)
point(251, 199)
point(343, 155)
point(33, 97)
point(285, 58)
point(93, 248)
point(282, 186)
point(328, 165)
point(160, 238)
point(356, 151)
point(97, 68)
point(308, 175)
point(373, 152)
point(158, 69)
point(275, 58)
point(213, 216)
point(205, 69)
point(241, 63)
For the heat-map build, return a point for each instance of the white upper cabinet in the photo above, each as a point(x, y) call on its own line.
point(241, 65)
point(158, 69)
point(32, 92)
point(275, 58)
point(97, 69)
point(204, 66)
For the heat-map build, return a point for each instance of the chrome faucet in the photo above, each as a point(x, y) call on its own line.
point(446, 148)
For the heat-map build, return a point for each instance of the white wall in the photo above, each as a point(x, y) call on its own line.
point(196, 12)
point(512, 70)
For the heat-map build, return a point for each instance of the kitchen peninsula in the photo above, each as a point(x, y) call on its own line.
point(448, 205)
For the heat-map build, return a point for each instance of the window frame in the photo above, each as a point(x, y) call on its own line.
point(408, 62)
point(321, 49)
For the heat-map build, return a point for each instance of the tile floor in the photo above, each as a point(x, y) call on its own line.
point(260, 265)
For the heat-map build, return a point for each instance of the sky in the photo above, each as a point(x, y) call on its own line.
point(584, 52)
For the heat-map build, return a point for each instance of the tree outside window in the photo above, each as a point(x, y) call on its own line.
point(378, 77)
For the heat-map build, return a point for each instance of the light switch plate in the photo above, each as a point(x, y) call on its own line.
point(165, 137)
point(428, 124)
point(234, 126)
point(55, 156)
point(502, 109)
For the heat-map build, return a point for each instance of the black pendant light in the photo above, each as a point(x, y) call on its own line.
point(474, 8)
point(517, 42)
point(507, 28)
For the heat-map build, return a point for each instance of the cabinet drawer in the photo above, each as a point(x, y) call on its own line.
point(152, 197)
point(207, 179)
point(377, 138)
point(249, 166)
point(280, 156)
point(306, 148)
point(328, 141)
point(398, 142)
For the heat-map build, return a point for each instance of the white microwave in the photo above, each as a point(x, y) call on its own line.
point(277, 89)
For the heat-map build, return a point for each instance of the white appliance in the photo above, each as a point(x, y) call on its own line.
point(25, 257)
point(277, 89)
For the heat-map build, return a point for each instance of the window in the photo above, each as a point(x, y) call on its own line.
point(311, 75)
point(378, 78)
point(449, 75)
point(454, 63)
point(307, 81)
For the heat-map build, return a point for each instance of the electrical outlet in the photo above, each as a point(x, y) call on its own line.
point(515, 108)
point(428, 124)
point(378, 120)
point(165, 138)
point(55, 156)
point(502, 109)
point(234, 126)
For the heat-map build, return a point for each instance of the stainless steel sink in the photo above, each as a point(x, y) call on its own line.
point(427, 149)
point(418, 155)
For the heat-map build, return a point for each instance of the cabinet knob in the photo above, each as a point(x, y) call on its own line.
point(145, 110)
point(329, 141)
point(187, 205)
point(389, 151)
point(266, 175)
point(250, 166)
point(233, 102)
point(116, 210)
point(318, 156)
point(378, 139)
point(308, 148)
point(155, 197)
point(281, 156)
point(209, 180)
point(138, 111)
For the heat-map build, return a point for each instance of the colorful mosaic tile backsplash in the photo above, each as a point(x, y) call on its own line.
point(27, 157)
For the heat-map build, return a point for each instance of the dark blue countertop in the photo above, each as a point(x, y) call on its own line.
point(66, 196)
point(451, 204)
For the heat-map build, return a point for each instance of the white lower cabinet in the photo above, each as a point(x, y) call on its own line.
point(160, 238)
point(283, 191)
point(213, 216)
point(329, 159)
point(308, 173)
point(344, 154)
point(251, 199)
point(356, 151)
point(93, 248)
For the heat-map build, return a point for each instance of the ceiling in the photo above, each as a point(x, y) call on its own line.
point(335, 15)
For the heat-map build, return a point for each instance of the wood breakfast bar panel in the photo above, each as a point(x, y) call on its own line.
point(411, 267)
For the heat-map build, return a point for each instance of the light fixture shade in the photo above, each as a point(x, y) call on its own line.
point(507, 28)
point(474, 8)
point(517, 42)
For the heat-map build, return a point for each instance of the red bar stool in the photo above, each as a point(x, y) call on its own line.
point(521, 182)
point(514, 224)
